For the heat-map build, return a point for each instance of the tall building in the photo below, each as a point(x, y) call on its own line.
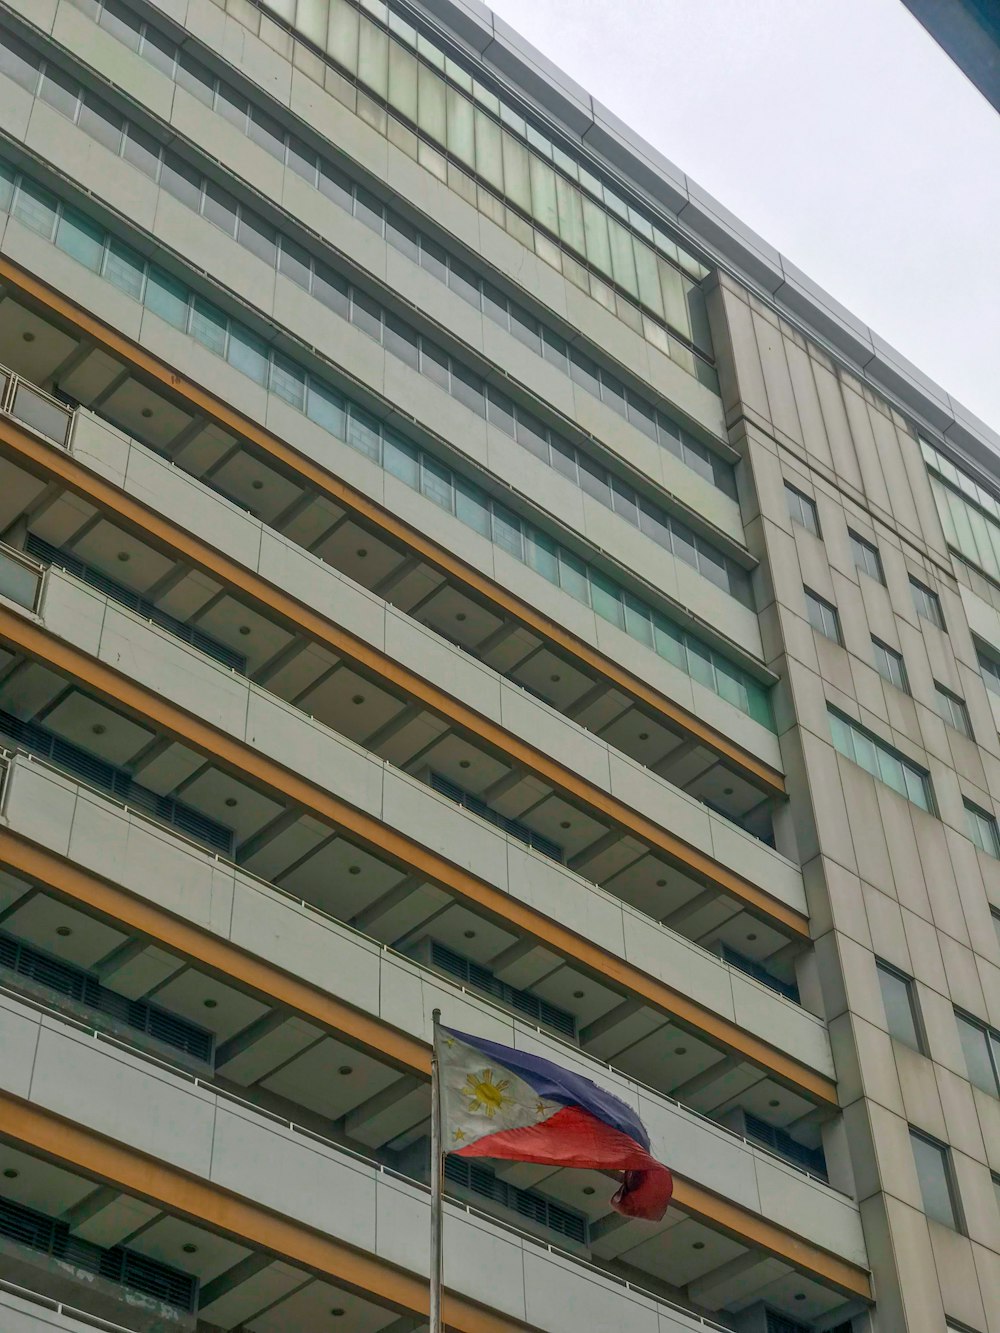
point(448, 561)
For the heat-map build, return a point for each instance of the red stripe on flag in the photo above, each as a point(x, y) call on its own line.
point(574, 1137)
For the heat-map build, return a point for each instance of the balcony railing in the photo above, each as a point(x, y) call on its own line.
point(439, 783)
point(20, 577)
point(83, 987)
point(97, 772)
point(125, 1267)
point(33, 408)
point(52, 555)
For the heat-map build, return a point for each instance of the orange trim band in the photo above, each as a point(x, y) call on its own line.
point(274, 986)
point(326, 483)
point(301, 619)
point(38, 643)
point(124, 1168)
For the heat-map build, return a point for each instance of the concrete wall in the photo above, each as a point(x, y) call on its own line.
point(883, 878)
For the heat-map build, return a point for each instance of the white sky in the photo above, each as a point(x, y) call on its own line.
point(839, 131)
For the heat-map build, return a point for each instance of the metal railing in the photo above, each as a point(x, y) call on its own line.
point(35, 409)
point(20, 577)
point(471, 992)
point(370, 1163)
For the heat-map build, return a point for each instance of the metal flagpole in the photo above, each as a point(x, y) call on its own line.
point(437, 1236)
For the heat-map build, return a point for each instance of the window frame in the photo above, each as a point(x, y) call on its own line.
point(871, 554)
point(892, 659)
point(912, 774)
point(826, 612)
point(803, 505)
point(989, 669)
point(976, 815)
point(924, 595)
point(953, 710)
point(943, 1150)
point(991, 1042)
point(919, 1041)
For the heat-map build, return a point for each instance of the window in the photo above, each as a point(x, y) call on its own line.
point(866, 557)
point(822, 616)
point(995, 914)
point(889, 665)
point(952, 709)
point(990, 669)
point(996, 1190)
point(927, 602)
point(899, 1002)
point(982, 829)
point(880, 760)
point(802, 510)
point(981, 1047)
point(934, 1174)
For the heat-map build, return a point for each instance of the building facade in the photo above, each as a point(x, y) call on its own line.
point(447, 561)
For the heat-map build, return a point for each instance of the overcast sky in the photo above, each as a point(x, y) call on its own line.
point(839, 131)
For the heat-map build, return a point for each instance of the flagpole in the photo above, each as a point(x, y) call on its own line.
point(437, 1237)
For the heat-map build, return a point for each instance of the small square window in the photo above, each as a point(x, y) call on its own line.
point(927, 603)
point(822, 616)
point(933, 1164)
point(982, 829)
point(866, 557)
point(899, 1002)
point(981, 1048)
point(802, 510)
point(952, 709)
point(890, 665)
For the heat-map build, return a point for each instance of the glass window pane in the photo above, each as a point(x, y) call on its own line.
point(573, 577)
point(373, 58)
point(167, 297)
point(402, 236)
point(261, 240)
point(542, 555)
point(402, 460)
point(102, 123)
point(143, 151)
point(897, 999)
point(342, 40)
point(294, 262)
point(18, 62)
point(623, 258)
point(220, 208)
point(469, 389)
point(233, 106)
point(507, 531)
point(402, 341)
point(975, 1047)
point(336, 186)
point(461, 127)
point(125, 269)
point(595, 481)
point(60, 91)
point(366, 314)
point(247, 353)
point(932, 1173)
point(607, 597)
point(159, 51)
point(570, 215)
point(208, 325)
point(595, 229)
point(182, 181)
point(326, 408)
point(489, 153)
point(638, 620)
point(267, 133)
point(288, 381)
point(431, 114)
point(543, 193)
point(302, 160)
point(192, 75)
point(364, 433)
point(517, 184)
point(36, 207)
point(435, 365)
point(436, 483)
point(82, 239)
point(472, 507)
point(669, 641)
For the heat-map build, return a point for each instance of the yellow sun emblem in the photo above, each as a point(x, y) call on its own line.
point(486, 1096)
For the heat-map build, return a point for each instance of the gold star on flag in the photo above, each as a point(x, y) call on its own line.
point(540, 1109)
point(458, 1135)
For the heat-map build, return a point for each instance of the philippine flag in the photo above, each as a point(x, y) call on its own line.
point(499, 1102)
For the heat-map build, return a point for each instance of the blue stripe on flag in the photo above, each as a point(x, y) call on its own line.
point(560, 1085)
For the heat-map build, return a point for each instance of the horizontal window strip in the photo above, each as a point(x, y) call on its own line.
point(399, 338)
point(664, 285)
point(44, 213)
point(881, 760)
